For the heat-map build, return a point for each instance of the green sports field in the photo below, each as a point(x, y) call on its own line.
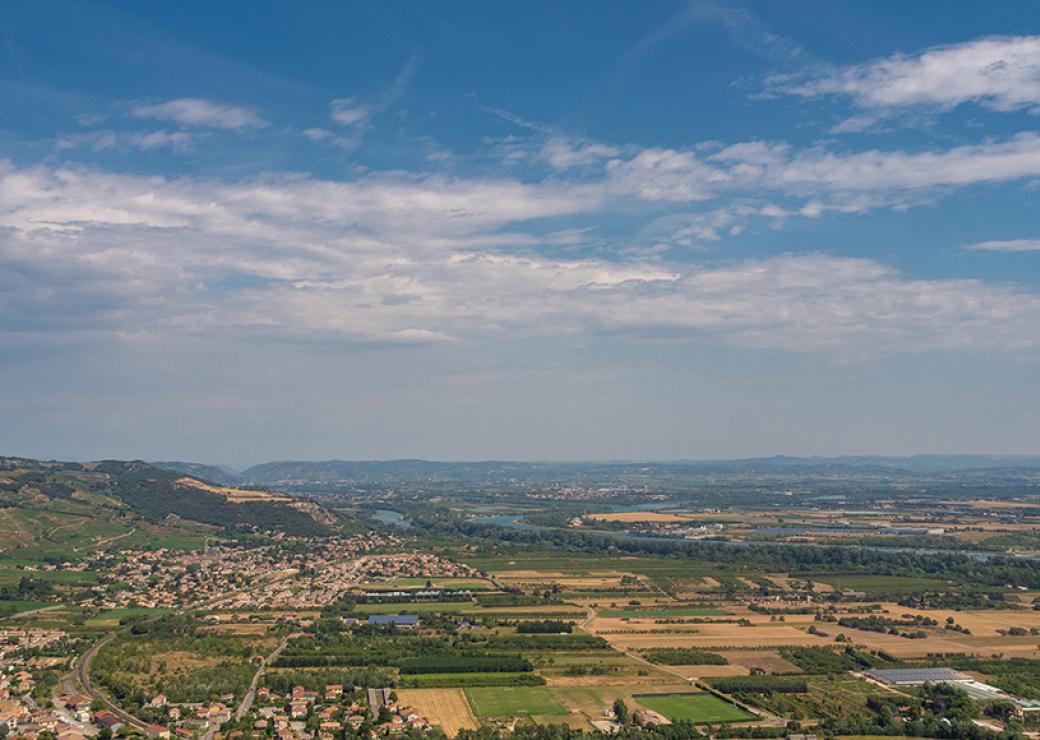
point(510, 701)
point(700, 708)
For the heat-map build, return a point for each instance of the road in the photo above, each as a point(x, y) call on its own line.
point(82, 671)
point(32, 612)
point(247, 700)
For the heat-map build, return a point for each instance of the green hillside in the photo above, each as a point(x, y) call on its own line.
point(59, 509)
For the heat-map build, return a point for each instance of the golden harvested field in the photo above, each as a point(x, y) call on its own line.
point(447, 708)
point(981, 623)
point(594, 580)
point(901, 647)
point(233, 495)
point(713, 671)
point(627, 680)
point(710, 582)
point(640, 516)
point(768, 660)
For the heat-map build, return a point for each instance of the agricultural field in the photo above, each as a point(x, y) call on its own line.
point(700, 708)
point(514, 701)
point(663, 612)
point(448, 709)
point(833, 696)
point(555, 629)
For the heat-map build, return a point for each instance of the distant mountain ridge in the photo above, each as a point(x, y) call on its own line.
point(213, 473)
point(293, 472)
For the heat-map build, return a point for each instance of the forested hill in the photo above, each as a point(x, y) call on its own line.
point(137, 489)
point(304, 473)
point(210, 473)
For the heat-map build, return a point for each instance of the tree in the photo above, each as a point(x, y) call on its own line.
point(621, 711)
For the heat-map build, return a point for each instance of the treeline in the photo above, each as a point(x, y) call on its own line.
point(468, 680)
point(327, 649)
point(683, 656)
point(511, 599)
point(551, 626)
point(799, 560)
point(282, 682)
point(824, 660)
point(874, 623)
point(412, 596)
point(760, 685)
point(27, 589)
point(463, 664)
point(546, 642)
point(959, 600)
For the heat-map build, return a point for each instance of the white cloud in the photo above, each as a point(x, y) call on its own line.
point(178, 140)
point(1009, 245)
point(665, 174)
point(563, 153)
point(200, 112)
point(412, 259)
point(832, 181)
point(317, 134)
point(1001, 73)
point(349, 112)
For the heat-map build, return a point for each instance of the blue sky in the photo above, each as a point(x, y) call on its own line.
point(243, 231)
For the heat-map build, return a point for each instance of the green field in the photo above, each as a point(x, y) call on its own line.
point(125, 612)
point(701, 708)
point(10, 574)
point(9, 608)
point(511, 701)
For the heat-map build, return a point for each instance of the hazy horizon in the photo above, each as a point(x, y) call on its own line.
point(240, 467)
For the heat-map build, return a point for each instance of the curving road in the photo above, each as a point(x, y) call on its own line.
point(82, 671)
